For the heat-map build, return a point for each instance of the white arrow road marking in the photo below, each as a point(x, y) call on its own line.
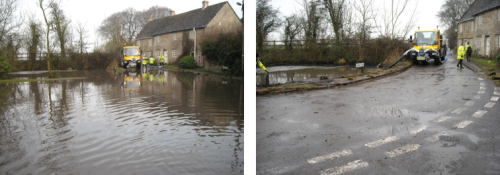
point(351, 166)
point(494, 99)
point(435, 137)
point(458, 110)
point(489, 105)
point(402, 150)
point(479, 113)
point(443, 118)
point(462, 124)
point(469, 103)
point(329, 156)
point(381, 141)
point(417, 130)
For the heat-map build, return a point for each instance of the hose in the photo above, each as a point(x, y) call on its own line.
point(447, 56)
point(397, 61)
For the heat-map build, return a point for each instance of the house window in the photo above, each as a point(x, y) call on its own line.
point(174, 53)
point(460, 28)
point(480, 20)
point(498, 41)
point(139, 43)
point(150, 42)
point(498, 14)
point(175, 36)
point(158, 39)
point(472, 26)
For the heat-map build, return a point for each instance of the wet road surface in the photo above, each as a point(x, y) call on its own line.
point(426, 120)
point(121, 123)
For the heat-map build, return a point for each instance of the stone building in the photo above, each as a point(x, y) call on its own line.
point(480, 25)
point(179, 35)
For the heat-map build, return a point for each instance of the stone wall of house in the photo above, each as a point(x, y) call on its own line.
point(481, 32)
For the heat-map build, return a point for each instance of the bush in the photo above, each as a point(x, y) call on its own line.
point(5, 67)
point(225, 50)
point(188, 62)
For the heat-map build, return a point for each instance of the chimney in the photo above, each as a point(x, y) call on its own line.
point(172, 13)
point(204, 4)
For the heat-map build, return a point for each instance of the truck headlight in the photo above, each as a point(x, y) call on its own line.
point(413, 54)
point(434, 53)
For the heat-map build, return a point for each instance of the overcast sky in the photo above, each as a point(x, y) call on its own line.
point(93, 12)
point(427, 10)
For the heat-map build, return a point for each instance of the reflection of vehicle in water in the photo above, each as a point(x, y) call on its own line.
point(131, 57)
point(131, 81)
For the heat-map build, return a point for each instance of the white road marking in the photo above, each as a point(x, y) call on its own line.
point(329, 156)
point(417, 130)
point(482, 84)
point(351, 166)
point(381, 141)
point(402, 150)
point(477, 97)
point(479, 113)
point(496, 93)
point(480, 78)
point(470, 103)
point(443, 118)
point(489, 105)
point(462, 124)
point(482, 88)
point(494, 99)
point(435, 137)
point(458, 110)
point(480, 92)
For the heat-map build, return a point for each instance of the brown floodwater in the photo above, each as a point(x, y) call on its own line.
point(290, 74)
point(158, 122)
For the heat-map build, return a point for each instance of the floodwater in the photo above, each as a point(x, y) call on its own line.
point(290, 74)
point(121, 123)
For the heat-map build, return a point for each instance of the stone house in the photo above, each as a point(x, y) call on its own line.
point(178, 35)
point(480, 25)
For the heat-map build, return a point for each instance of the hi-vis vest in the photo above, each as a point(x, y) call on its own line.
point(460, 53)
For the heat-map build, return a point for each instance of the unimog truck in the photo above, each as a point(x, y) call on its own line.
point(427, 46)
point(131, 57)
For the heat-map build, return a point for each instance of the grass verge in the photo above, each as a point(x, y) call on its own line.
point(488, 66)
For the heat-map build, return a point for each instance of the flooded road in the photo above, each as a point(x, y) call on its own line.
point(288, 74)
point(121, 123)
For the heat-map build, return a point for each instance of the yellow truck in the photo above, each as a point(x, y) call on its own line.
point(131, 57)
point(428, 46)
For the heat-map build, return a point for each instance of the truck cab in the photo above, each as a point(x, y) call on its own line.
point(427, 46)
point(131, 57)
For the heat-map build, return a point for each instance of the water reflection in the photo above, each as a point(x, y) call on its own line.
point(287, 74)
point(122, 123)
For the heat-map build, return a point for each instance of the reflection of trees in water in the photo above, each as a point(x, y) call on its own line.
point(10, 150)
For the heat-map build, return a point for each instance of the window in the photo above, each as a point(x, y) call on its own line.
point(175, 36)
point(150, 42)
point(460, 28)
point(472, 26)
point(480, 20)
point(498, 41)
point(174, 53)
point(498, 14)
point(139, 43)
point(158, 39)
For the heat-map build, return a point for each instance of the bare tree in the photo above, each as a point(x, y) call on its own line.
point(365, 10)
point(267, 21)
point(9, 22)
point(81, 42)
point(450, 13)
point(336, 13)
point(291, 30)
point(391, 19)
point(33, 40)
point(60, 25)
point(47, 32)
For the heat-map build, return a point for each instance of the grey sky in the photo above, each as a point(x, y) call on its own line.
point(426, 12)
